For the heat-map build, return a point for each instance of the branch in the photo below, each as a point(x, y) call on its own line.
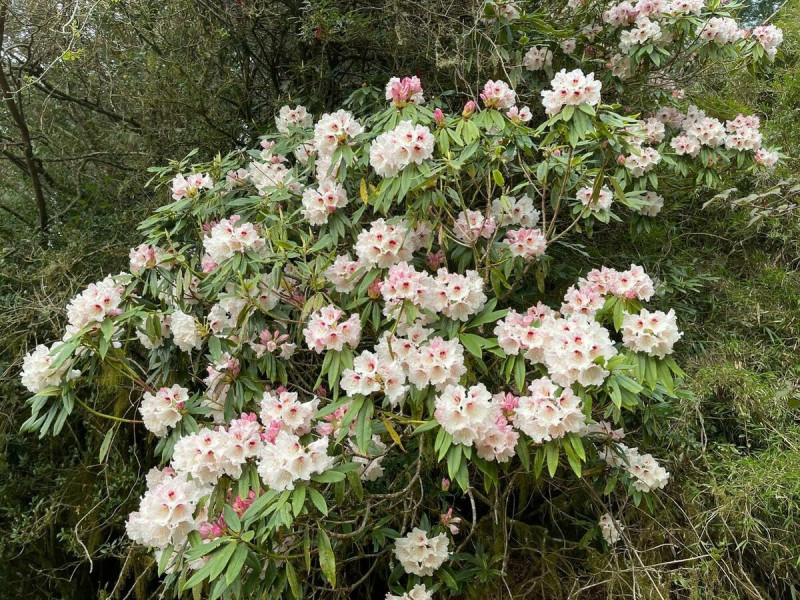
point(16, 114)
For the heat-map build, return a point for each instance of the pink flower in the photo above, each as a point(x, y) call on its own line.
point(404, 91)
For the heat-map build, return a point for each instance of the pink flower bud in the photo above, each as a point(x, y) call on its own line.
point(445, 484)
point(374, 289)
point(469, 109)
point(438, 116)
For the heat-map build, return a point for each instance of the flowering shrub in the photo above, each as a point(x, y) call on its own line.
point(340, 336)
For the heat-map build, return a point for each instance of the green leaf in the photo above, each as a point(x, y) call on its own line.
point(291, 577)
point(166, 554)
point(426, 426)
point(318, 501)
point(473, 343)
point(327, 560)
point(298, 499)
point(552, 457)
point(498, 178)
point(236, 563)
point(106, 444)
point(519, 372)
point(328, 477)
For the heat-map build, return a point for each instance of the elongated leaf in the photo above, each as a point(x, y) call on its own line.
point(327, 560)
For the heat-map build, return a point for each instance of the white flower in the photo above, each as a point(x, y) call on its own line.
point(599, 204)
point(292, 117)
point(526, 243)
point(320, 202)
point(166, 511)
point(185, 331)
point(227, 239)
point(437, 362)
point(571, 89)
point(462, 413)
point(37, 371)
point(418, 592)
point(343, 273)
point(548, 414)
point(327, 331)
point(498, 94)
point(393, 151)
point(94, 304)
point(610, 528)
point(537, 58)
point(647, 474)
point(285, 407)
point(162, 410)
point(334, 129)
point(420, 555)
point(375, 373)
point(653, 333)
point(508, 210)
point(653, 203)
point(385, 244)
point(286, 460)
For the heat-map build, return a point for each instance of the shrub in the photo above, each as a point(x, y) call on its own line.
point(346, 341)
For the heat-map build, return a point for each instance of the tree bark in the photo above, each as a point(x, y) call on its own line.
point(14, 108)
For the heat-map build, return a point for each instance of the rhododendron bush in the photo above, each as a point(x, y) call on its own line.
point(354, 341)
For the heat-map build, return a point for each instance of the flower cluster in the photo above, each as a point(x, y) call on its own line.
point(285, 408)
point(498, 94)
point(226, 238)
point(189, 186)
point(320, 202)
point(292, 117)
point(334, 129)
point(404, 91)
point(418, 592)
point(37, 368)
point(327, 331)
point(343, 273)
point(547, 413)
point(770, 37)
point(642, 161)
point(573, 349)
point(145, 257)
point(93, 305)
point(743, 133)
point(526, 243)
point(474, 417)
point(653, 333)
point(393, 151)
point(508, 210)
point(652, 203)
point(376, 372)
point(385, 244)
point(287, 460)
point(647, 474)
point(162, 410)
point(600, 203)
point(571, 89)
point(720, 30)
point(453, 295)
point(538, 58)
point(419, 554)
point(471, 225)
point(185, 331)
point(644, 31)
point(610, 529)
point(166, 512)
